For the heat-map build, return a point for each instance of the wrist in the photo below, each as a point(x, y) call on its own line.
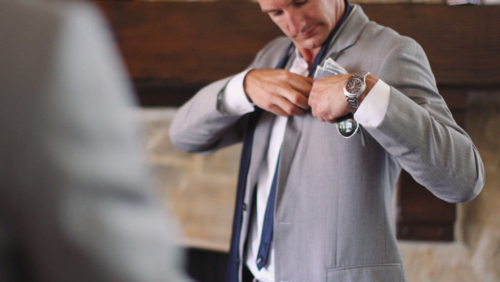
point(357, 87)
point(370, 82)
point(246, 84)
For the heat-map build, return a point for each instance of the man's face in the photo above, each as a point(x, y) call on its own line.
point(307, 22)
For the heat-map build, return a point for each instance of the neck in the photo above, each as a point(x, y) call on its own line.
point(309, 54)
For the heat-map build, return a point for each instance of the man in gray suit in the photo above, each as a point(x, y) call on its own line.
point(329, 188)
point(75, 200)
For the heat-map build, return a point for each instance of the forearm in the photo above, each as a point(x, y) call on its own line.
point(199, 127)
point(428, 144)
point(417, 127)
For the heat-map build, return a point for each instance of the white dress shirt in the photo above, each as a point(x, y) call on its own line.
point(370, 114)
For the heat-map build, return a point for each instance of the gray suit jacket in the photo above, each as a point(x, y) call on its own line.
point(334, 214)
point(75, 200)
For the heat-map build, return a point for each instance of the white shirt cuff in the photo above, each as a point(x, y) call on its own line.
point(234, 98)
point(372, 110)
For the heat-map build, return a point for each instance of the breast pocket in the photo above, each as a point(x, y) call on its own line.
point(367, 273)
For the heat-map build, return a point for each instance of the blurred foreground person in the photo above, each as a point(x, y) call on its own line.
point(75, 203)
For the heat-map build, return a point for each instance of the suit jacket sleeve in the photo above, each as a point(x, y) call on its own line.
point(419, 130)
point(199, 127)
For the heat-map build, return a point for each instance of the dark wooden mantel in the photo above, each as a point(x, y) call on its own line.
point(172, 49)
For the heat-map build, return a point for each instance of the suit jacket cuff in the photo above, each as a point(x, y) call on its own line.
point(374, 107)
point(233, 97)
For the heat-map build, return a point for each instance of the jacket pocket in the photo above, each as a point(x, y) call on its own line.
point(392, 272)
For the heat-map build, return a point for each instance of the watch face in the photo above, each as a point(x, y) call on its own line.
point(354, 85)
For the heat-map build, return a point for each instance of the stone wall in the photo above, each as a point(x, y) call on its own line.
point(201, 190)
point(201, 193)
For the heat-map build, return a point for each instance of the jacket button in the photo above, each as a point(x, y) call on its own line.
point(244, 207)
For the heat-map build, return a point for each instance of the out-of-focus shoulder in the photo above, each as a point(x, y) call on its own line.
point(379, 34)
point(278, 43)
point(270, 55)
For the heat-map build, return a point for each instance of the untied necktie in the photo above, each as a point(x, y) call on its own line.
point(268, 225)
point(267, 232)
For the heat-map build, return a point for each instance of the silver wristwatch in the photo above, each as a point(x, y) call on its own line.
point(354, 87)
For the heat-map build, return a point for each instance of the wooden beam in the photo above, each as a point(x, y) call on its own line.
point(181, 43)
point(187, 43)
point(461, 42)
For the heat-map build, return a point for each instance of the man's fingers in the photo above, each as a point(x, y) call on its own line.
point(280, 112)
point(314, 112)
point(288, 107)
point(295, 97)
point(278, 91)
point(301, 84)
point(296, 89)
point(309, 80)
point(277, 111)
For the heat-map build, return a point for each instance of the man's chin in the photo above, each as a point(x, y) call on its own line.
point(308, 44)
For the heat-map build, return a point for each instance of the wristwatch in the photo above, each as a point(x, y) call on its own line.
point(354, 87)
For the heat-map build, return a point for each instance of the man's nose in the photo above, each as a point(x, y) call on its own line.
point(295, 22)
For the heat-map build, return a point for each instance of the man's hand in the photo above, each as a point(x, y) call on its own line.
point(327, 99)
point(278, 91)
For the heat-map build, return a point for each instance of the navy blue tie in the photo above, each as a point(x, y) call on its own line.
point(234, 256)
point(267, 232)
point(268, 226)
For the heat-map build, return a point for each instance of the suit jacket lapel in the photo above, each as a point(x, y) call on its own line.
point(259, 150)
point(293, 133)
point(345, 38)
point(348, 33)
